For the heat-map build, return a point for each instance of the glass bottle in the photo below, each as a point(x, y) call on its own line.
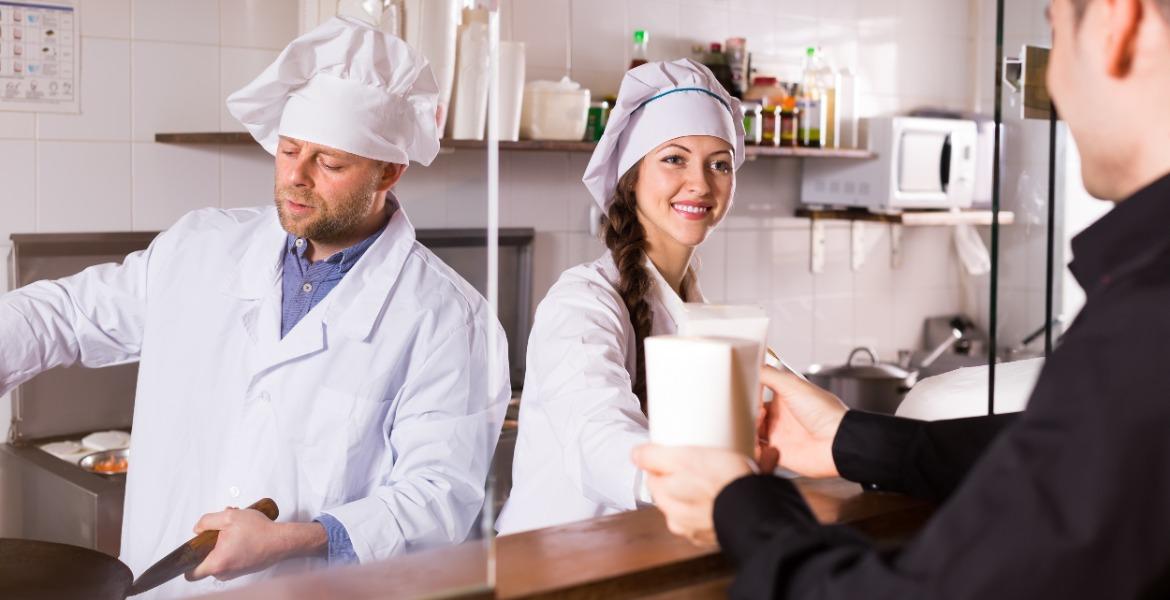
point(638, 56)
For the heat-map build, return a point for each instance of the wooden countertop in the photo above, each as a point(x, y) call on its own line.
point(620, 556)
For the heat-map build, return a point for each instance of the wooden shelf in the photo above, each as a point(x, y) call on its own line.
point(909, 218)
point(239, 137)
point(211, 137)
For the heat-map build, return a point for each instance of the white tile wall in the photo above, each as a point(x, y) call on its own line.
point(18, 199)
point(83, 186)
point(105, 96)
point(257, 23)
point(237, 68)
point(246, 176)
point(175, 87)
point(173, 180)
point(105, 18)
point(195, 21)
point(18, 125)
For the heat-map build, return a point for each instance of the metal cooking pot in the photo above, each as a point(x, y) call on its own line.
point(35, 570)
point(870, 386)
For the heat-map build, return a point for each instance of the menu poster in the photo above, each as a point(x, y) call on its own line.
point(39, 69)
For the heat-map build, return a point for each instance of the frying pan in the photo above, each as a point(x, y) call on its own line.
point(45, 570)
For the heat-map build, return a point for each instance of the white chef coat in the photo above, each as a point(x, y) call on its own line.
point(375, 408)
point(579, 417)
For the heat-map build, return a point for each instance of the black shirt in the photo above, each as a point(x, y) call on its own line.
point(1069, 499)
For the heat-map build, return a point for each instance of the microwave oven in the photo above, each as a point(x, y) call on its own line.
point(921, 163)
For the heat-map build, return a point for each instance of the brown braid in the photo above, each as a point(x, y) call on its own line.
point(626, 239)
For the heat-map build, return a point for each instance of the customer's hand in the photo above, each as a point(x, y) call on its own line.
point(684, 482)
point(801, 422)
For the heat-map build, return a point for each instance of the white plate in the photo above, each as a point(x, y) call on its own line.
point(69, 451)
point(106, 440)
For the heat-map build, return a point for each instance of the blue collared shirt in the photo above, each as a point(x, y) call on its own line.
point(305, 284)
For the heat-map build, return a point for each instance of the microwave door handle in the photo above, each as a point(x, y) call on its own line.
point(944, 164)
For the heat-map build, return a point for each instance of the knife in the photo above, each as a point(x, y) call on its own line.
point(188, 556)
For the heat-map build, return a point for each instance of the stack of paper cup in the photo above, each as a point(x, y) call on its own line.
point(468, 115)
point(430, 27)
point(511, 89)
point(702, 391)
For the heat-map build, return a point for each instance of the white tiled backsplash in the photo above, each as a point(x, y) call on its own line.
point(166, 65)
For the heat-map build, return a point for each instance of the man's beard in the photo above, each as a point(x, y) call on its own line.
point(328, 222)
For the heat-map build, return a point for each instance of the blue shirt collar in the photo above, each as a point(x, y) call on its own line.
point(345, 259)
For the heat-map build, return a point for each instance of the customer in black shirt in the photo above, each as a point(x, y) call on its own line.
point(1069, 499)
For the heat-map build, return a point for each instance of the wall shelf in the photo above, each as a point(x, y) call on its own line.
point(909, 218)
point(859, 218)
point(240, 137)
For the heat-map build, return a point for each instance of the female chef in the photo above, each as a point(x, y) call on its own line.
point(664, 176)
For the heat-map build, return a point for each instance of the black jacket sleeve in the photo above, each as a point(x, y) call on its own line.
point(924, 459)
point(1070, 501)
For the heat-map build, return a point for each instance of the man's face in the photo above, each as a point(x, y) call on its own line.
point(324, 194)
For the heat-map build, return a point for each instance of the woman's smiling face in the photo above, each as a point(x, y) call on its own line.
point(684, 189)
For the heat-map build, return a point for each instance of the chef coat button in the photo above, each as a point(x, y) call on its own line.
point(234, 492)
point(308, 287)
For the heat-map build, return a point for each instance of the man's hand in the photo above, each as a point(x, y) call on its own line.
point(801, 422)
point(684, 482)
point(249, 542)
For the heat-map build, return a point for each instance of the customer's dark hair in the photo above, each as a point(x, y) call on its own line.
point(626, 239)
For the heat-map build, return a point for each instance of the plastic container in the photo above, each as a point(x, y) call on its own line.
point(554, 110)
point(765, 90)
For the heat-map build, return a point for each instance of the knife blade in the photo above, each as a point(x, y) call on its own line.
point(188, 556)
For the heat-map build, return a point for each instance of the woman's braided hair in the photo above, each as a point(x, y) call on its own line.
point(626, 239)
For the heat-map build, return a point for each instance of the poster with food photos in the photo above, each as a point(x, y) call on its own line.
point(39, 58)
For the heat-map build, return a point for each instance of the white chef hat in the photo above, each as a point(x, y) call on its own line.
point(348, 86)
point(658, 102)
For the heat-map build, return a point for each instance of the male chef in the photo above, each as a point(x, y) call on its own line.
point(1069, 499)
point(312, 352)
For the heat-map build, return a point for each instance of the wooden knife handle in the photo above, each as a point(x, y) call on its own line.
point(266, 506)
point(202, 545)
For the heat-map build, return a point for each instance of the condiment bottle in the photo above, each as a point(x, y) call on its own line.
point(639, 56)
point(753, 126)
point(788, 122)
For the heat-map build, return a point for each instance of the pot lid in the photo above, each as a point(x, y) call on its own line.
point(859, 369)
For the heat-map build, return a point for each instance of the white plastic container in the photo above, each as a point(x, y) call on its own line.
point(554, 110)
point(468, 115)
